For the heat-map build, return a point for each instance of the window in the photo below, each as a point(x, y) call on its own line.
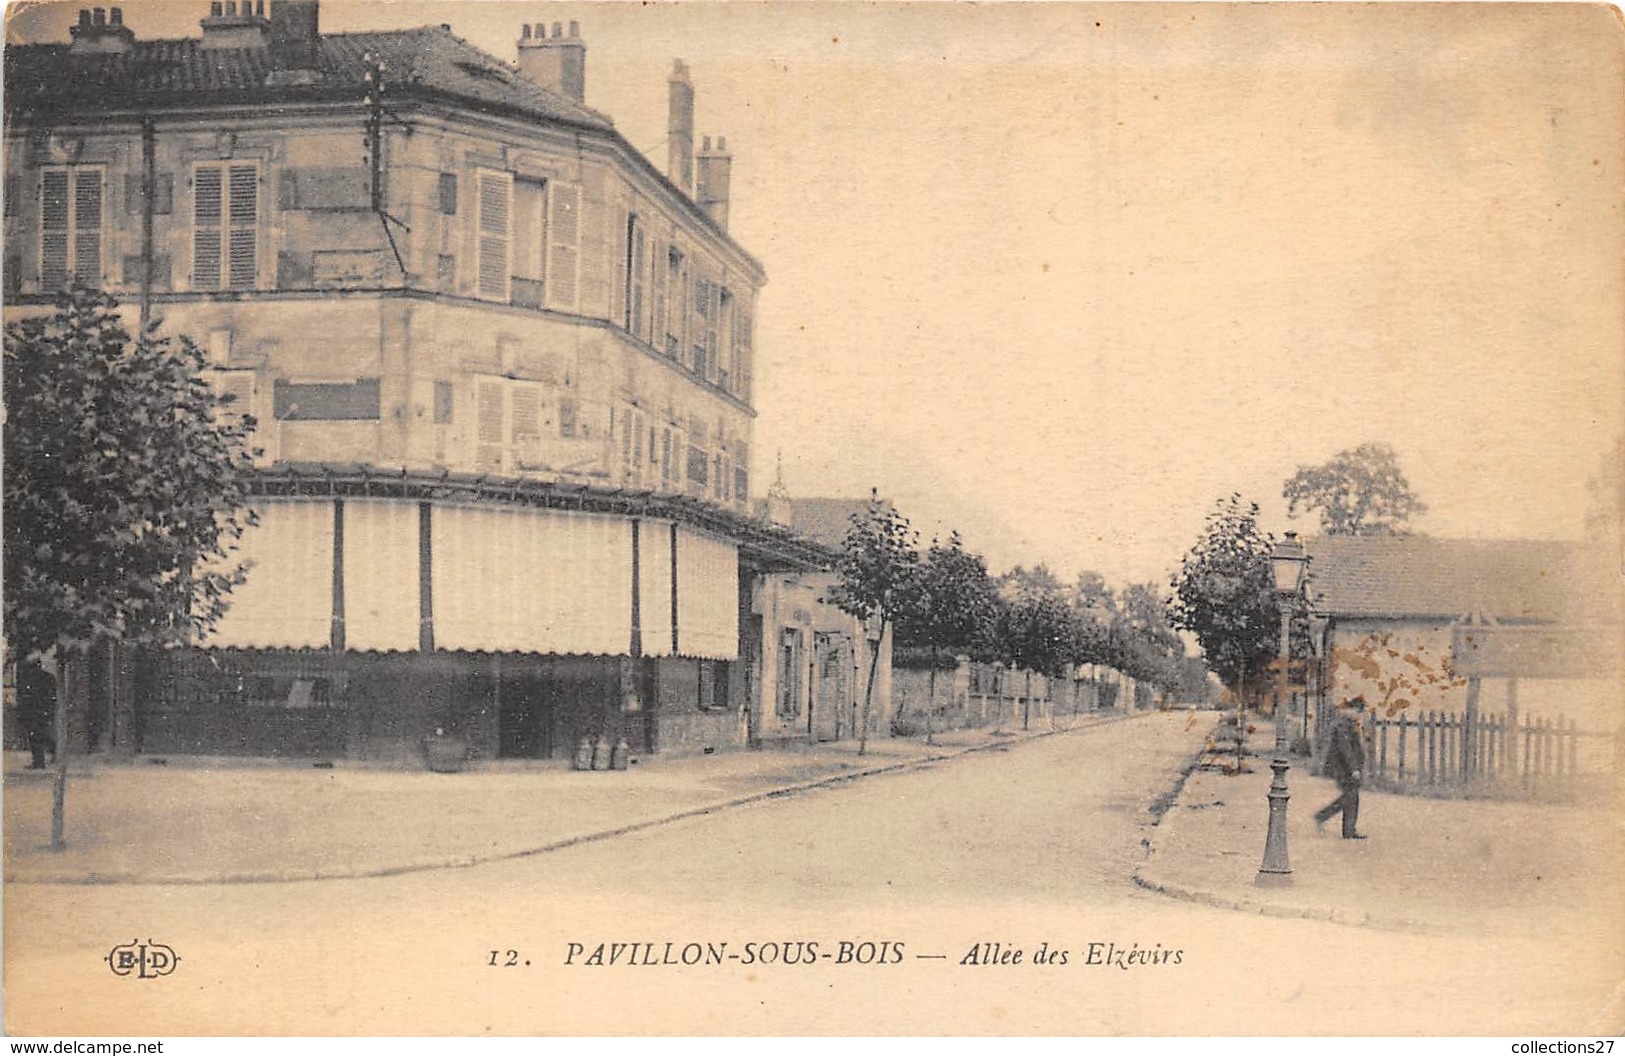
point(705, 328)
point(225, 226)
point(238, 388)
point(789, 696)
point(70, 226)
point(740, 366)
point(495, 233)
point(448, 193)
point(697, 467)
point(674, 299)
point(722, 339)
point(567, 417)
point(442, 402)
point(529, 241)
point(633, 425)
point(713, 689)
point(511, 423)
point(636, 265)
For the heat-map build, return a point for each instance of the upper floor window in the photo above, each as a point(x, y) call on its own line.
point(529, 240)
point(71, 226)
point(671, 307)
point(225, 226)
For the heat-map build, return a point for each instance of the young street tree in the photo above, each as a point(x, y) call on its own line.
point(125, 492)
point(955, 606)
point(1224, 593)
point(1037, 629)
point(879, 582)
point(1358, 492)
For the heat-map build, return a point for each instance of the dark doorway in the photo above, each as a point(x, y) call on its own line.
point(525, 717)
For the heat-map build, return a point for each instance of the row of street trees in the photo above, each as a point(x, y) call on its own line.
point(943, 602)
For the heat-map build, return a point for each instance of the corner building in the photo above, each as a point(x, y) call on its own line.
point(501, 366)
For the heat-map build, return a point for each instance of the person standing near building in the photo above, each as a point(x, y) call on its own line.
point(1345, 764)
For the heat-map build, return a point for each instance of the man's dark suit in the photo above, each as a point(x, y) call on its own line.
point(1345, 764)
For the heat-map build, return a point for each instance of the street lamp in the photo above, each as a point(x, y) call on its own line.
point(1287, 561)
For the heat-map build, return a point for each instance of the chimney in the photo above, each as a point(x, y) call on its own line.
point(235, 24)
point(680, 129)
point(712, 175)
point(558, 62)
point(100, 32)
point(295, 34)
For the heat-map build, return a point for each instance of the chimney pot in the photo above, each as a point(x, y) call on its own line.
point(554, 62)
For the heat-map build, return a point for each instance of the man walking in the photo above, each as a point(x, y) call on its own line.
point(1345, 760)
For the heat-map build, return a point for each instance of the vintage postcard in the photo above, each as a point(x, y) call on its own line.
point(813, 519)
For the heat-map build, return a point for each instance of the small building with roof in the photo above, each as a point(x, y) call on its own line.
point(1408, 622)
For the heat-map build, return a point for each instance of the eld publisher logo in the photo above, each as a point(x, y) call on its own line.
point(144, 960)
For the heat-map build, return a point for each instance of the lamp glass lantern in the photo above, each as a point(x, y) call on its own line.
point(1288, 561)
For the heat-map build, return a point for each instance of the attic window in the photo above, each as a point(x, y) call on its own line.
point(475, 69)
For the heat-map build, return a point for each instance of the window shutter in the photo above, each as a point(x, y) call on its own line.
point(636, 269)
point(564, 245)
point(206, 221)
point(659, 324)
point(527, 421)
point(491, 428)
point(87, 226)
point(238, 387)
point(53, 228)
point(495, 232)
point(243, 216)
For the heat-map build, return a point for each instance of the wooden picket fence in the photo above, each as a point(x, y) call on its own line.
point(1451, 753)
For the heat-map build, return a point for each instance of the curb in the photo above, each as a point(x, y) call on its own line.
point(1257, 907)
point(1283, 910)
point(466, 861)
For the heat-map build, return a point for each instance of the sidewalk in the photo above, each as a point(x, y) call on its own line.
point(243, 820)
point(1428, 864)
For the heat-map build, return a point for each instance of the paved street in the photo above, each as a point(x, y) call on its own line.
point(1020, 847)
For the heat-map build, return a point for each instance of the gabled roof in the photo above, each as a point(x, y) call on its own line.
point(825, 521)
point(430, 61)
point(1510, 580)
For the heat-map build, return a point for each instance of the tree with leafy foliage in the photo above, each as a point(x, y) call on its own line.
point(125, 492)
point(1224, 593)
point(1036, 628)
point(955, 604)
point(1358, 492)
point(879, 582)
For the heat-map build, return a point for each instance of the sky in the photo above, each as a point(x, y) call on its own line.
point(1062, 275)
